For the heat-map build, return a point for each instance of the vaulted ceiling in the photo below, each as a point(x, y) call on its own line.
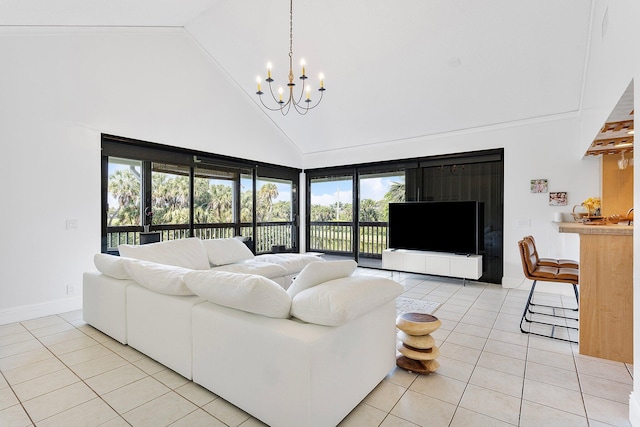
point(394, 70)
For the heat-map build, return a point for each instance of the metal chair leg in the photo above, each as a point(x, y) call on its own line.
point(527, 309)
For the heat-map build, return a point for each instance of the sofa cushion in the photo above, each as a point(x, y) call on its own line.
point(246, 292)
point(187, 253)
point(265, 269)
point(226, 251)
point(293, 263)
point(319, 272)
point(161, 278)
point(338, 301)
point(111, 265)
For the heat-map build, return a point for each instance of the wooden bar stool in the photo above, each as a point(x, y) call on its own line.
point(533, 270)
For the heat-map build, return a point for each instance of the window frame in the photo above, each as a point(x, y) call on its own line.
point(148, 153)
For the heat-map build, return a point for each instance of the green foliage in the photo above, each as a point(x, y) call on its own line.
point(396, 194)
point(370, 210)
point(213, 203)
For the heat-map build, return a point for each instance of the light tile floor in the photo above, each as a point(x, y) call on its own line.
point(58, 371)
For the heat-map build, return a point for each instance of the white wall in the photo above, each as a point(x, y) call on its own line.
point(61, 89)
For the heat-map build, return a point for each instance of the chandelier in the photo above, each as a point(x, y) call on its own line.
point(282, 105)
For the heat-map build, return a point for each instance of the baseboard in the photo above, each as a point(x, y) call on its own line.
point(634, 409)
point(27, 312)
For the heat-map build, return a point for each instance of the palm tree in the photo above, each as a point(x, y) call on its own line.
point(221, 202)
point(246, 206)
point(396, 193)
point(124, 186)
point(267, 193)
point(202, 198)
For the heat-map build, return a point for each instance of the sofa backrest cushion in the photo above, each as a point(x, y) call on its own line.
point(111, 265)
point(161, 278)
point(186, 253)
point(246, 292)
point(319, 272)
point(226, 251)
point(338, 301)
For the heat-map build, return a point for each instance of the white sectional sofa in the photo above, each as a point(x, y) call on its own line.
point(298, 355)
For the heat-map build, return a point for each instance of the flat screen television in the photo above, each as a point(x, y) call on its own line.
point(455, 227)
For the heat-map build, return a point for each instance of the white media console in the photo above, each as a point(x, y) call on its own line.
point(436, 263)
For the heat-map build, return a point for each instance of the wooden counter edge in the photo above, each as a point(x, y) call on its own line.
point(613, 230)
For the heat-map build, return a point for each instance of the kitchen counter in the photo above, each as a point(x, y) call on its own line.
point(609, 229)
point(606, 289)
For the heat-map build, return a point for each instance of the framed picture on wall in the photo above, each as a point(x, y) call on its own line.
point(558, 198)
point(539, 186)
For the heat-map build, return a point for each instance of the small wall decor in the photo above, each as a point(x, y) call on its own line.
point(558, 198)
point(539, 186)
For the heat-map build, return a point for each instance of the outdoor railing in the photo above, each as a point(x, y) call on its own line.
point(268, 234)
point(337, 237)
point(373, 239)
point(329, 237)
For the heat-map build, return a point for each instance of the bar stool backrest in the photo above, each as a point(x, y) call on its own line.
point(528, 257)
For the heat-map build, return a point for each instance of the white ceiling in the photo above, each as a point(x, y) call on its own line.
point(393, 69)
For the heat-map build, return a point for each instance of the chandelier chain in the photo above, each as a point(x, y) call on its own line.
point(291, 46)
point(291, 29)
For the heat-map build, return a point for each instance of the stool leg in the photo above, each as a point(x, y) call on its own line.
point(575, 291)
point(526, 307)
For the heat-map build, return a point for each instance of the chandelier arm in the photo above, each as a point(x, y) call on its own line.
point(270, 108)
point(317, 103)
point(271, 92)
point(302, 110)
point(299, 101)
point(288, 107)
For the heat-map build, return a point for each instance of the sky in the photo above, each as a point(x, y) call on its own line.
point(328, 193)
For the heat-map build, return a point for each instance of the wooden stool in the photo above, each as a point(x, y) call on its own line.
point(418, 348)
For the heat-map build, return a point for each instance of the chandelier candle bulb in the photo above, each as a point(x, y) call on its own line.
point(268, 70)
point(258, 80)
point(303, 71)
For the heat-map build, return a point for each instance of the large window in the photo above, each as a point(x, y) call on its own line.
point(179, 194)
point(348, 212)
point(170, 194)
point(124, 192)
point(376, 191)
point(274, 214)
point(331, 214)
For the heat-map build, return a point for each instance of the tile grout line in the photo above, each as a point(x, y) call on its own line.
point(97, 395)
point(74, 373)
